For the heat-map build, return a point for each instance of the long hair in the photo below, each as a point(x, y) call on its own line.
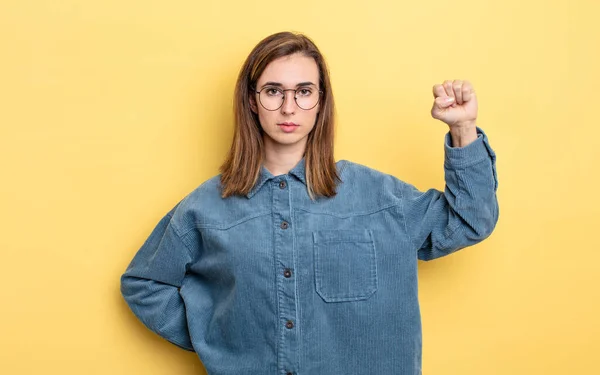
point(241, 168)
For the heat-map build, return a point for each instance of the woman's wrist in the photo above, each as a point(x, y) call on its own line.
point(463, 135)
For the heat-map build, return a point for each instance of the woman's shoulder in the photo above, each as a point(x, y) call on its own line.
point(207, 191)
point(204, 205)
point(360, 180)
point(363, 173)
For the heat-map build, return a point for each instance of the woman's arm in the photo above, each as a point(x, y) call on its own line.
point(466, 212)
point(151, 283)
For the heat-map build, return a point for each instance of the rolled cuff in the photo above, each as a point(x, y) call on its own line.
point(473, 153)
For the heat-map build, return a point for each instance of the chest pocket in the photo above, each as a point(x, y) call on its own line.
point(345, 265)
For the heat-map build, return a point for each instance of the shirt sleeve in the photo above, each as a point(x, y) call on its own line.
point(151, 283)
point(466, 213)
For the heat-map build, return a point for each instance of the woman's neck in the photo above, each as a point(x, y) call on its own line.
point(280, 159)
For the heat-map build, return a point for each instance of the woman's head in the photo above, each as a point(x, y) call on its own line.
point(282, 61)
point(275, 103)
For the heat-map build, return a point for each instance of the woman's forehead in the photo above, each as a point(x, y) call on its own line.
point(290, 71)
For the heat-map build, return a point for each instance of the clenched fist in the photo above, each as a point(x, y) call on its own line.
point(455, 104)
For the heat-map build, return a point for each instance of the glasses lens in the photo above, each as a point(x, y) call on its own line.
point(307, 98)
point(271, 98)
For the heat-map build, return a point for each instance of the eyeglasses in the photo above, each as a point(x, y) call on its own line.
point(272, 98)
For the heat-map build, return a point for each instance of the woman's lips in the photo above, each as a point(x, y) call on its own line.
point(288, 127)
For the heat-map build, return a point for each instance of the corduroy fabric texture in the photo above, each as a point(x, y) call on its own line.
point(276, 283)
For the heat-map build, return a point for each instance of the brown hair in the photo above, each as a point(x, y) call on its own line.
point(241, 169)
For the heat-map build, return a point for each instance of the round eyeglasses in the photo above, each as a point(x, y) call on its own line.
point(272, 98)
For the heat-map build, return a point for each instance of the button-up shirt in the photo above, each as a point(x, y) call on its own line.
point(277, 283)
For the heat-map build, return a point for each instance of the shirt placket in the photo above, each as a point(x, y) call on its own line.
point(286, 285)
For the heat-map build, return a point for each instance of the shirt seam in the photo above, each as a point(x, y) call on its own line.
point(227, 226)
point(182, 237)
point(450, 164)
point(401, 204)
point(364, 213)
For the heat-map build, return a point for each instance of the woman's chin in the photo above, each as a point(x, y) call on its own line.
point(284, 139)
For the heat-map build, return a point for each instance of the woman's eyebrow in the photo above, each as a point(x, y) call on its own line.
point(277, 84)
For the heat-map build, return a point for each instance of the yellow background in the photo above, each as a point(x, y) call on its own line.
point(111, 111)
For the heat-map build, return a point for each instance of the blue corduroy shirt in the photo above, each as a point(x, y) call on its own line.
point(277, 283)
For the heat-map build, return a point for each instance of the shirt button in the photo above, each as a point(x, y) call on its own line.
point(287, 273)
point(284, 225)
point(282, 185)
point(289, 324)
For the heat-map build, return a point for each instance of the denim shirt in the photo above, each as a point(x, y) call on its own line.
point(276, 283)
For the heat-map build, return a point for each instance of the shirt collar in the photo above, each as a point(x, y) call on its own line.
point(299, 171)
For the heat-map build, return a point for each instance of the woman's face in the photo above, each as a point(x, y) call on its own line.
point(289, 125)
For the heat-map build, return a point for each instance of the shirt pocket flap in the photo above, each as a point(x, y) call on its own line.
point(345, 264)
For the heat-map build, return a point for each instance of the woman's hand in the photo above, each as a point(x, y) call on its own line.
point(455, 104)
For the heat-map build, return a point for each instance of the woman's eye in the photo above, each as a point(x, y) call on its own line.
point(305, 92)
point(273, 92)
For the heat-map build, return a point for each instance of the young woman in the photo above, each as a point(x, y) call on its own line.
point(291, 263)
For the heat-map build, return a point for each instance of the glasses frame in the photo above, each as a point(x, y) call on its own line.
point(283, 101)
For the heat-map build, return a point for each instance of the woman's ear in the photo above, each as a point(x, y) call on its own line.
point(253, 104)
